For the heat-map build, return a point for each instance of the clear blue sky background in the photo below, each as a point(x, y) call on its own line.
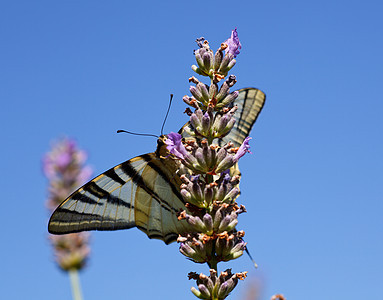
point(313, 186)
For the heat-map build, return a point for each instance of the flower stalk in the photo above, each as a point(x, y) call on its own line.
point(64, 166)
point(208, 173)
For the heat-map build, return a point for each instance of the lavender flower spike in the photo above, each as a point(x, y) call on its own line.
point(233, 43)
point(175, 146)
point(243, 149)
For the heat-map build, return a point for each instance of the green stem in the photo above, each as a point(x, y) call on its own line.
point(209, 178)
point(75, 284)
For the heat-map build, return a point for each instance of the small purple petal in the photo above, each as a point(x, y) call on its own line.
point(233, 43)
point(243, 149)
point(175, 146)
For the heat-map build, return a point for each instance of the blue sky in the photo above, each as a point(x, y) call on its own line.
point(312, 188)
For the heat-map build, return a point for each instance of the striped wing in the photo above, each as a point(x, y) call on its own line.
point(250, 102)
point(142, 192)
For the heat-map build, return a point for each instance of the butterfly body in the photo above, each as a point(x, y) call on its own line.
point(143, 192)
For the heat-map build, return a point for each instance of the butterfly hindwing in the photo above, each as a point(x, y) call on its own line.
point(250, 102)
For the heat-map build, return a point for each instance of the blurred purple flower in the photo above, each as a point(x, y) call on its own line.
point(233, 43)
point(64, 167)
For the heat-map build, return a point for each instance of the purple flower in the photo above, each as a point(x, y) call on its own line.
point(243, 149)
point(65, 168)
point(175, 146)
point(233, 43)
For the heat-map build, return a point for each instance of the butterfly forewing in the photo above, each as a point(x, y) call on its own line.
point(142, 192)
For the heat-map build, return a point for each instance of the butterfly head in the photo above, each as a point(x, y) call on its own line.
point(162, 151)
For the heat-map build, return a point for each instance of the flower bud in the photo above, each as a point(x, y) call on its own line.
point(228, 127)
point(231, 64)
point(218, 218)
point(198, 70)
point(196, 191)
point(194, 250)
point(197, 293)
point(221, 154)
point(201, 159)
point(218, 59)
point(204, 291)
point(190, 101)
point(196, 93)
point(225, 164)
point(207, 58)
point(225, 221)
point(210, 155)
point(225, 62)
point(199, 59)
point(189, 161)
point(232, 224)
point(213, 90)
point(206, 122)
point(221, 193)
point(222, 91)
point(222, 124)
point(209, 193)
point(223, 290)
point(195, 121)
point(186, 195)
point(208, 221)
point(228, 99)
point(230, 196)
point(204, 92)
point(186, 250)
point(196, 222)
point(240, 246)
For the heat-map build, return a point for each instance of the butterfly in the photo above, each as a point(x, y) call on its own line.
point(144, 192)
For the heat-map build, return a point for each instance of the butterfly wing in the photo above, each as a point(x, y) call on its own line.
point(142, 192)
point(250, 102)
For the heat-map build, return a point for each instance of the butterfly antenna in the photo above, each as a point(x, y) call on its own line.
point(167, 113)
point(251, 258)
point(134, 133)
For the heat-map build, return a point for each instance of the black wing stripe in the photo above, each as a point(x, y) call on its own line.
point(151, 164)
point(100, 223)
point(129, 170)
point(77, 216)
point(84, 199)
point(94, 189)
point(113, 175)
point(241, 118)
